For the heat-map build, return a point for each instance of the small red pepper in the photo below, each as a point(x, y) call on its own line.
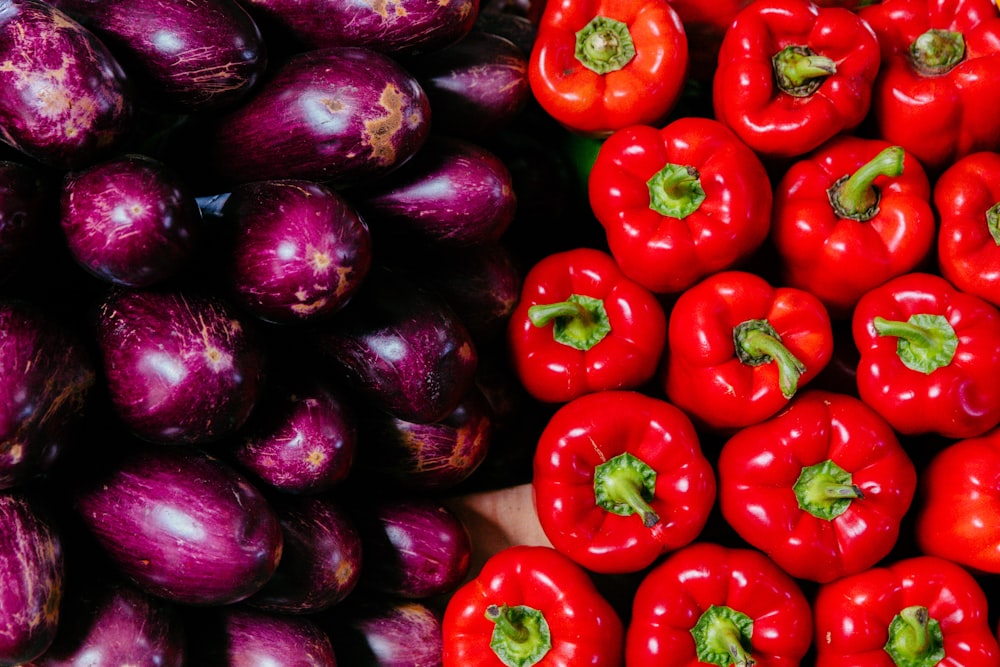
point(582, 326)
point(967, 198)
point(821, 487)
point(679, 202)
point(959, 513)
point(600, 65)
point(929, 361)
point(851, 215)
point(717, 605)
point(793, 74)
point(530, 605)
point(936, 93)
point(738, 348)
point(920, 611)
point(620, 479)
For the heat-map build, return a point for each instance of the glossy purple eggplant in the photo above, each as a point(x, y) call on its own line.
point(130, 220)
point(322, 557)
point(338, 115)
point(239, 636)
point(396, 26)
point(385, 632)
point(25, 211)
point(31, 579)
point(179, 368)
point(300, 250)
point(64, 98)
point(184, 56)
point(452, 192)
point(182, 525)
point(402, 348)
point(46, 377)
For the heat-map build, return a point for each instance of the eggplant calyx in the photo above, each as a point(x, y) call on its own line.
point(624, 485)
point(799, 71)
point(758, 343)
point(675, 191)
point(521, 635)
point(604, 45)
point(855, 196)
point(915, 639)
point(937, 52)
point(925, 342)
point(722, 637)
point(580, 321)
point(825, 490)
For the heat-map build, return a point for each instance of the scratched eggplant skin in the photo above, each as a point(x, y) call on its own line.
point(32, 570)
point(65, 100)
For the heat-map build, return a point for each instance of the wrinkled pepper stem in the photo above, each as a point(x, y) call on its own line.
point(675, 191)
point(855, 196)
point(915, 639)
point(623, 485)
point(925, 342)
point(937, 52)
point(521, 635)
point(604, 45)
point(799, 71)
point(825, 490)
point(993, 222)
point(758, 343)
point(580, 321)
point(722, 637)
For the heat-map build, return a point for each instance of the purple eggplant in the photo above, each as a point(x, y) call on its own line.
point(130, 220)
point(301, 439)
point(32, 572)
point(338, 115)
point(181, 524)
point(25, 211)
point(239, 636)
point(452, 192)
point(64, 98)
point(402, 348)
point(321, 560)
point(300, 250)
point(476, 86)
point(414, 547)
point(397, 26)
point(385, 632)
point(46, 376)
point(183, 56)
point(115, 624)
point(179, 368)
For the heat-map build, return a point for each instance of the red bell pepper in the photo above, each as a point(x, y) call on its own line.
point(600, 65)
point(936, 93)
point(967, 199)
point(959, 513)
point(582, 326)
point(821, 487)
point(851, 215)
point(679, 203)
point(792, 75)
point(920, 611)
point(738, 348)
point(717, 605)
point(929, 361)
point(530, 605)
point(620, 479)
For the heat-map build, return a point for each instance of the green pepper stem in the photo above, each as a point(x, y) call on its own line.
point(722, 636)
point(543, 313)
point(501, 617)
point(855, 196)
point(604, 45)
point(675, 191)
point(825, 490)
point(799, 72)
point(926, 342)
point(580, 322)
point(937, 52)
point(521, 635)
point(757, 342)
point(993, 222)
point(915, 639)
point(622, 484)
point(625, 487)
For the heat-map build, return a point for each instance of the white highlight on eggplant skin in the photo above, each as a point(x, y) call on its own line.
point(167, 42)
point(179, 523)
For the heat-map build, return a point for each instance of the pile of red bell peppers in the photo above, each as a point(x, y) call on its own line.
point(774, 379)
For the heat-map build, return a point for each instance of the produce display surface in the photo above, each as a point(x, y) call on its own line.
point(499, 332)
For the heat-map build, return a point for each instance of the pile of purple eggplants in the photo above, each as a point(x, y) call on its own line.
point(256, 258)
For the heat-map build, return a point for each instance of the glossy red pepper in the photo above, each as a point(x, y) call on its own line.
point(929, 361)
point(708, 604)
point(936, 93)
point(920, 611)
point(851, 215)
point(582, 326)
point(620, 479)
point(822, 487)
point(959, 512)
point(967, 199)
point(679, 202)
point(738, 349)
point(531, 606)
point(793, 74)
point(600, 65)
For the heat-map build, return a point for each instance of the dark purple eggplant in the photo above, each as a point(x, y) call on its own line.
point(130, 220)
point(321, 560)
point(115, 624)
point(300, 250)
point(180, 368)
point(402, 348)
point(476, 86)
point(32, 572)
point(25, 212)
point(393, 26)
point(181, 524)
point(427, 456)
point(183, 56)
point(239, 636)
point(302, 438)
point(64, 98)
point(338, 115)
point(452, 192)
point(385, 632)
point(46, 376)
point(414, 547)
